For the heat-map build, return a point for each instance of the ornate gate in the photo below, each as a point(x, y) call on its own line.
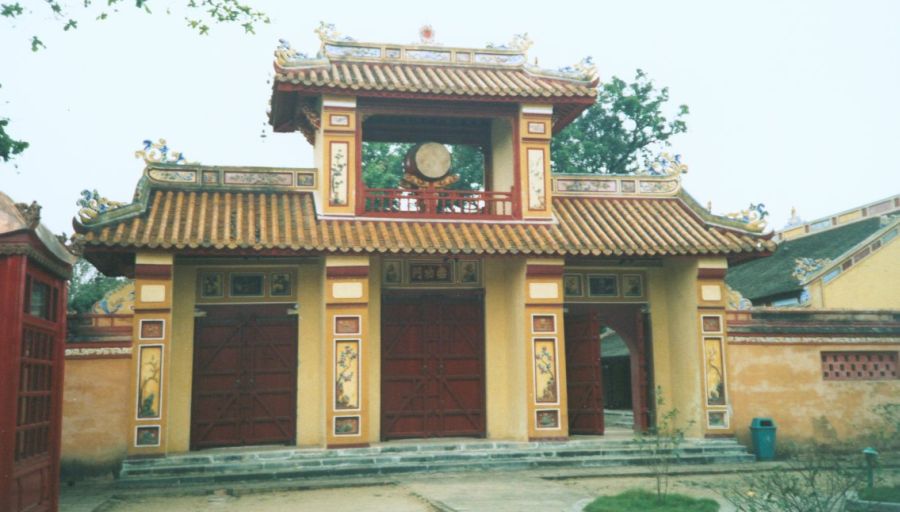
point(432, 366)
point(584, 379)
point(245, 376)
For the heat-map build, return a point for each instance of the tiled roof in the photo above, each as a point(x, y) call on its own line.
point(773, 276)
point(349, 76)
point(497, 72)
point(286, 220)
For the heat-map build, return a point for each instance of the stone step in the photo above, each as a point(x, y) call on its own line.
point(387, 459)
point(265, 460)
point(238, 473)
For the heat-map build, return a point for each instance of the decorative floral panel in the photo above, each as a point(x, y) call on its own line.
point(258, 178)
point(715, 372)
point(347, 325)
point(543, 323)
point(712, 324)
point(306, 179)
point(150, 360)
point(546, 386)
point(152, 329)
point(717, 419)
point(537, 196)
point(338, 174)
point(346, 375)
point(546, 419)
point(174, 176)
point(572, 285)
point(146, 436)
point(346, 425)
point(632, 285)
point(587, 185)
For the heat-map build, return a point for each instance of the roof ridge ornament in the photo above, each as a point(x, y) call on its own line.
point(327, 32)
point(426, 35)
point(93, 204)
point(665, 165)
point(805, 267)
point(159, 153)
point(754, 216)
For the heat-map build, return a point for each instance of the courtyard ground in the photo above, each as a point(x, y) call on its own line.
point(564, 490)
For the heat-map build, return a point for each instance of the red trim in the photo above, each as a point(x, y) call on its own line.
point(517, 164)
point(544, 270)
point(338, 272)
point(711, 273)
point(148, 271)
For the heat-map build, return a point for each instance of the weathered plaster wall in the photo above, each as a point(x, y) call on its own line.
point(870, 284)
point(505, 345)
point(95, 433)
point(784, 382)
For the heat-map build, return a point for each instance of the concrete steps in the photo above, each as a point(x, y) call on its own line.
point(219, 466)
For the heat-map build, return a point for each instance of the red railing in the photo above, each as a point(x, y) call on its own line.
point(438, 203)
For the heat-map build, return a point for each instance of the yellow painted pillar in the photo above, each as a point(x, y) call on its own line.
point(337, 146)
point(152, 332)
point(545, 373)
point(534, 129)
point(346, 352)
point(711, 300)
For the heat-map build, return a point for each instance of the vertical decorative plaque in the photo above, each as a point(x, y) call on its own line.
point(537, 197)
point(338, 174)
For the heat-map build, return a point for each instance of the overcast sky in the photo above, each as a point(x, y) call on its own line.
point(792, 103)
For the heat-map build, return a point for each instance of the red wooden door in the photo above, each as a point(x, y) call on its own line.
point(432, 366)
point(584, 378)
point(245, 376)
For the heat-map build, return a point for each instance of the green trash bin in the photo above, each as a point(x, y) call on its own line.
point(762, 432)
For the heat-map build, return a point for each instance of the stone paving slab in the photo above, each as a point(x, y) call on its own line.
point(497, 493)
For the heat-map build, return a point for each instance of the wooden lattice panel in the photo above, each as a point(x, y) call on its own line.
point(859, 365)
point(33, 419)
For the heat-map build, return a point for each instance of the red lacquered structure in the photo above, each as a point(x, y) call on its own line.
point(34, 267)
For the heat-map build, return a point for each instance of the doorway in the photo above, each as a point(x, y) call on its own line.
point(245, 376)
point(432, 365)
point(598, 385)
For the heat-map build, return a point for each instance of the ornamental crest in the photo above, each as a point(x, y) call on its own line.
point(92, 205)
point(754, 216)
point(665, 165)
point(159, 153)
point(326, 32)
point(805, 267)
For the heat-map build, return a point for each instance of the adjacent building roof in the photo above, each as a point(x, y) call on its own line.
point(206, 218)
point(47, 249)
point(776, 276)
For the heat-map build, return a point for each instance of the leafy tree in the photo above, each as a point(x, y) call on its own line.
point(87, 286)
point(621, 132)
point(200, 15)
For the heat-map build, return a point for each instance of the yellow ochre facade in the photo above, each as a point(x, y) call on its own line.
point(304, 307)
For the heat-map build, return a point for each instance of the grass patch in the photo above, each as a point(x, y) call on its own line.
point(884, 494)
point(639, 500)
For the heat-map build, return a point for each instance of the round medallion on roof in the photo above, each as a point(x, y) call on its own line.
point(429, 160)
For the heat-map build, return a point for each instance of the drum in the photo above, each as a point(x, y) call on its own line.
point(428, 160)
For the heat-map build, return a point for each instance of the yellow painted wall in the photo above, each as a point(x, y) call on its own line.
point(505, 348)
point(179, 377)
point(373, 354)
point(502, 155)
point(870, 284)
point(680, 364)
point(95, 426)
point(784, 382)
point(311, 356)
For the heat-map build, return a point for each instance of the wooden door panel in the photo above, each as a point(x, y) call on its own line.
point(584, 374)
point(244, 377)
point(432, 367)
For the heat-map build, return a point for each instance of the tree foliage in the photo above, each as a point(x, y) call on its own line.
point(87, 286)
point(620, 133)
point(383, 165)
point(9, 147)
